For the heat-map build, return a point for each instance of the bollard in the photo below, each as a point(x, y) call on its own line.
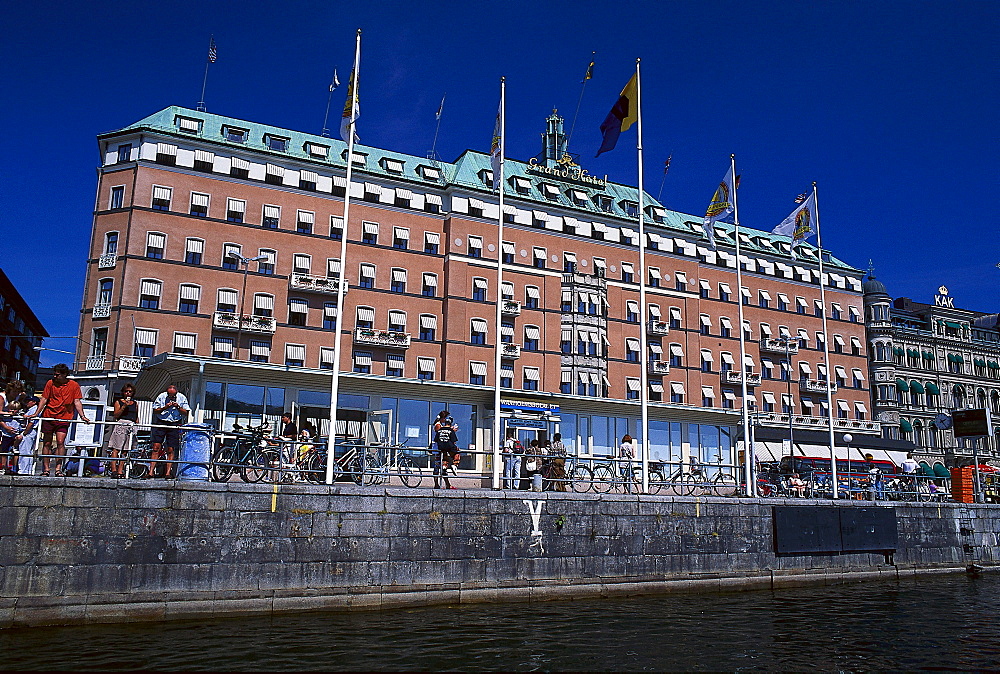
point(195, 453)
point(536, 482)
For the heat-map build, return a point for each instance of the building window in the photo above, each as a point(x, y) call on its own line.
point(199, 205)
point(540, 257)
point(105, 291)
point(204, 161)
point(266, 266)
point(432, 242)
point(240, 168)
point(365, 318)
point(263, 304)
point(531, 377)
point(301, 264)
point(330, 316)
point(654, 277)
point(308, 180)
point(118, 198)
point(400, 238)
point(298, 312)
point(532, 335)
point(676, 392)
point(475, 246)
point(161, 198)
point(479, 286)
point(676, 355)
point(631, 311)
point(155, 245)
point(507, 252)
point(398, 283)
point(184, 343)
point(111, 243)
point(394, 365)
point(166, 154)
point(234, 135)
point(477, 373)
point(835, 312)
point(226, 300)
point(304, 222)
point(260, 351)
point(189, 297)
point(628, 273)
point(724, 292)
point(222, 347)
point(429, 287)
point(193, 251)
point(782, 302)
point(124, 152)
point(235, 210)
point(276, 143)
point(145, 342)
point(369, 233)
point(425, 368)
point(230, 253)
point(818, 308)
point(632, 350)
point(428, 327)
point(477, 333)
point(366, 277)
point(274, 175)
point(336, 227)
point(680, 282)
point(532, 294)
point(149, 293)
point(763, 300)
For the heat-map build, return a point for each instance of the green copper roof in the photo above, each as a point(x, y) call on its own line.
point(464, 174)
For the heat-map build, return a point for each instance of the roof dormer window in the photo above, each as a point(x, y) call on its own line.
point(234, 134)
point(603, 202)
point(188, 124)
point(429, 172)
point(392, 165)
point(631, 208)
point(275, 143)
point(317, 150)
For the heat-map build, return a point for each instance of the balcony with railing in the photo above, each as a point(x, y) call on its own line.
point(96, 362)
point(231, 321)
point(314, 283)
point(107, 261)
point(102, 310)
point(659, 367)
point(510, 308)
point(791, 346)
point(510, 351)
point(657, 328)
point(815, 386)
point(804, 421)
point(388, 339)
point(575, 278)
point(130, 363)
point(736, 377)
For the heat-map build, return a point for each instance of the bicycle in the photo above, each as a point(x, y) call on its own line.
point(617, 473)
point(578, 476)
point(250, 453)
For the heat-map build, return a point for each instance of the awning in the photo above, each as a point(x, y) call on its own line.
point(901, 385)
point(706, 355)
point(941, 471)
point(905, 426)
point(656, 387)
point(858, 374)
point(677, 387)
point(916, 387)
point(531, 373)
point(842, 404)
point(950, 324)
point(478, 368)
point(932, 388)
point(707, 392)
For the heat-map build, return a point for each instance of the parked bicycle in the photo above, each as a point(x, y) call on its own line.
point(250, 452)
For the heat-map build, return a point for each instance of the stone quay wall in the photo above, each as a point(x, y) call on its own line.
point(87, 550)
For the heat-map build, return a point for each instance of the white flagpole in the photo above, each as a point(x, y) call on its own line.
point(497, 440)
point(748, 451)
point(643, 446)
point(335, 379)
point(433, 153)
point(826, 350)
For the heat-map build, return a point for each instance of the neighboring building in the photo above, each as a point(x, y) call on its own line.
point(180, 190)
point(927, 360)
point(20, 333)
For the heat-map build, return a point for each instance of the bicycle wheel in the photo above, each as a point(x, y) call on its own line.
point(724, 484)
point(655, 481)
point(604, 479)
point(580, 478)
point(364, 471)
point(223, 463)
point(409, 473)
point(682, 484)
point(262, 465)
point(136, 467)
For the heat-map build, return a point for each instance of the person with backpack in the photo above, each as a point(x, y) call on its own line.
point(446, 439)
point(512, 451)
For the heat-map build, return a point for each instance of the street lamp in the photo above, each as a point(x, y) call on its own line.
point(847, 441)
point(786, 341)
point(245, 261)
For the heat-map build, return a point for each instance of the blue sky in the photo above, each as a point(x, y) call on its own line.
point(890, 106)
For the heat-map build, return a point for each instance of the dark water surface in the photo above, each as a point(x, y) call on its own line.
point(950, 622)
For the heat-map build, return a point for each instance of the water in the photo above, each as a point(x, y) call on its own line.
point(948, 622)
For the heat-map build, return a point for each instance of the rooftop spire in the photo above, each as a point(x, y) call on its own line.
point(554, 139)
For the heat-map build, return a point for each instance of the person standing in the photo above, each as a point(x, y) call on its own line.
point(557, 473)
point(512, 451)
point(26, 462)
point(446, 439)
point(626, 452)
point(126, 413)
point(170, 410)
point(61, 397)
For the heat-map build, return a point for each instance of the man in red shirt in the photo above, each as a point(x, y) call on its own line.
point(60, 399)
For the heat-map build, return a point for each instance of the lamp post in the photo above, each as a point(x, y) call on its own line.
point(786, 341)
point(847, 441)
point(245, 261)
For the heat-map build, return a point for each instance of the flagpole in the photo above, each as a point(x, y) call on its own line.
point(433, 153)
point(208, 60)
point(826, 348)
point(748, 451)
point(341, 285)
point(580, 100)
point(499, 179)
point(666, 168)
point(643, 346)
point(326, 118)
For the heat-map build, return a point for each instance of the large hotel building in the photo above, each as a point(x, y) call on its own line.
point(181, 190)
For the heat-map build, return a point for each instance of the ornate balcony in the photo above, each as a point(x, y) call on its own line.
point(107, 261)
point(819, 423)
point(736, 377)
point(510, 351)
point(388, 339)
point(778, 345)
point(577, 278)
point(313, 283)
point(130, 363)
point(658, 328)
point(229, 320)
point(96, 362)
point(815, 386)
point(510, 308)
point(659, 367)
point(102, 310)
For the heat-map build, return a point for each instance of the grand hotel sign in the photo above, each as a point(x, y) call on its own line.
point(567, 170)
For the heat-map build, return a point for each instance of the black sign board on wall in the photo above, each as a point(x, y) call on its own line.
point(973, 423)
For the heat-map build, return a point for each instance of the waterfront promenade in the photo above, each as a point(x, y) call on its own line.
point(82, 550)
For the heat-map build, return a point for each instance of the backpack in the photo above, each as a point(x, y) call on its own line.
point(518, 447)
point(445, 436)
